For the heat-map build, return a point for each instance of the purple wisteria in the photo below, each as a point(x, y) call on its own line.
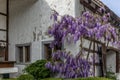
point(69, 66)
point(88, 25)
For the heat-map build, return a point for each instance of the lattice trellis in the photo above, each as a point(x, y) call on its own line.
point(94, 55)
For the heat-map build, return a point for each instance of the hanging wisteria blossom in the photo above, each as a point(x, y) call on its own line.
point(69, 66)
point(87, 26)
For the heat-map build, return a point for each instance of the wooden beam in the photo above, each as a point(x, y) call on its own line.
point(7, 28)
point(96, 41)
point(89, 49)
point(7, 64)
point(3, 30)
point(92, 51)
point(3, 14)
point(117, 62)
point(104, 59)
point(113, 49)
point(94, 58)
point(87, 5)
point(3, 41)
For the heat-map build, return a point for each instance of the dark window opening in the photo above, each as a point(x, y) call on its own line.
point(27, 53)
point(23, 54)
point(48, 51)
point(20, 54)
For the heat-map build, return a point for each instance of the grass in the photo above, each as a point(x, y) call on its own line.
point(10, 79)
point(90, 78)
point(52, 79)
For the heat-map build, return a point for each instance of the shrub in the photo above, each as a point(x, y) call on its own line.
point(110, 75)
point(26, 77)
point(38, 70)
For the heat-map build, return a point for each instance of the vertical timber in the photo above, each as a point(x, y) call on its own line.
point(7, 29)
point(117, 62)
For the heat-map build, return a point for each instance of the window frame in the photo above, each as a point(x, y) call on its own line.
point(48, 42)
point(17, 53)
point(43, 43)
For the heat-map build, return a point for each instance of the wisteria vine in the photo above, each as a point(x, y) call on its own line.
point(69, 66)
point(88, 25)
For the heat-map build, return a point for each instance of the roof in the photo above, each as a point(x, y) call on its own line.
point(115, 20)
point(98, 2)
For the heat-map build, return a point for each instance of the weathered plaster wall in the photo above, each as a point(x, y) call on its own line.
point(29, 20)
point(111, 61)
point(2, 21)
point(3, 6)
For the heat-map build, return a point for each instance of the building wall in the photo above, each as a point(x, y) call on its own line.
point(29, 20)
point(111, 61)
point(2, 21)
point(2, 27)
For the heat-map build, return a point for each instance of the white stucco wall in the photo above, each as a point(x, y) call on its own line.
point(111, 61)
point(29, 17)
point(2, 21)
point(3, 6)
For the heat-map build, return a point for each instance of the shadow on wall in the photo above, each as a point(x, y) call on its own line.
point(22, 4)
point(32, 14)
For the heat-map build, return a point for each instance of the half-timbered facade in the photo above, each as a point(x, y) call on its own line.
point(23, 27)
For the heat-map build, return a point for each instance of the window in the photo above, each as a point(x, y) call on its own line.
point(47, 51)
point(27, 53)
point(23, 53)
point(20, 54)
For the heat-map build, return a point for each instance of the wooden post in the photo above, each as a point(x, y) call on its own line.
point(117, 62)
point(89, 49)
point(94, 59)
point(104, 59)
point(7, 30)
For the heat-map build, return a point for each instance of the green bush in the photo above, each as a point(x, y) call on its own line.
point(25, 77)
point(38, 70)
point(111, 75)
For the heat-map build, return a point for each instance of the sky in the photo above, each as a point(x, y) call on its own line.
point(114, 5)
